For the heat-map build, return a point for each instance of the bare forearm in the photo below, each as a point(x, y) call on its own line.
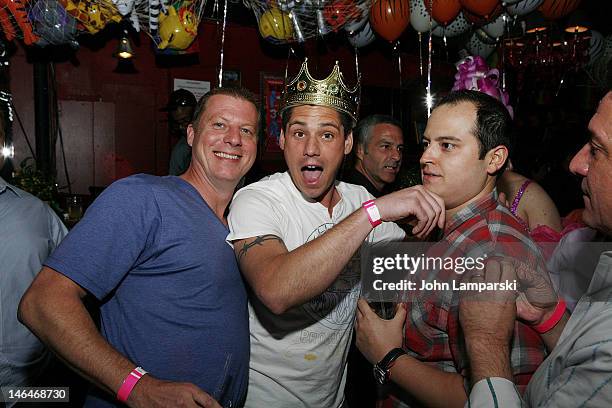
point(424, 383)
point(292, 278)
point(63, 323)
point(488, 359)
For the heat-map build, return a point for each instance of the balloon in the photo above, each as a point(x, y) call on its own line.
point(523, 7)
point(444, 11)
point(17, 9)
point(52, 24)
point(124, 6)
point(484, 37)
point(459, 26)
point(389, 18)
point(339, 12)
point(480, 7)
point(481, 20)
point(94, 15)
point(177, 30)
point(596, 46)
point(7, 26)
point(275, 25)
point(554, 9)
point(354, 26)
point(419, 16)
point(362, 37)
point(608, 46)
point(322, 27)
point(497, 27)
point(297, 26)
point(477, 47)
point(359, 20)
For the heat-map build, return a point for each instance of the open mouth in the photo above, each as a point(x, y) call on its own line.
point(311, 173)
point(227, 156)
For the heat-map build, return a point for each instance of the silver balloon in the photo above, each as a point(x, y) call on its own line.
point(497, 27)
point(523, 7)
point(297, 27)
point(419, 16)
point(596, 46)
point(476, 47)
point(322, 27)
point(362, 37)
point(355, 25)
point(484, 37)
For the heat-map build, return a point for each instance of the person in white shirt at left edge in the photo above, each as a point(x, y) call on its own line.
point(30, 231)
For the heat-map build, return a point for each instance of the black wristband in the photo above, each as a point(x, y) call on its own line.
point(381, 369)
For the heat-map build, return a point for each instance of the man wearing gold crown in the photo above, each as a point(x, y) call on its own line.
point(295, 234)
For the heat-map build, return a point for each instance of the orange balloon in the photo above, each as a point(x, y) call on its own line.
point(444, 11)
point(389, 18)
point(480, 7)
point(554, 9)
point(480, 20)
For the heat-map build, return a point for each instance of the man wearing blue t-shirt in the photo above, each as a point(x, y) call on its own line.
point(152, 250)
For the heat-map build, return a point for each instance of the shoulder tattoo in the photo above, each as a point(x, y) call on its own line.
point(259, 240)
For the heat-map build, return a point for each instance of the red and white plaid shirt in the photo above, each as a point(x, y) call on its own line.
point(433, 333)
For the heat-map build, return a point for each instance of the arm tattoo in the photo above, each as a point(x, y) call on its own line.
point(257, 241)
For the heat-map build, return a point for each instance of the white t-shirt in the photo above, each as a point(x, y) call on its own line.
point(298, 359)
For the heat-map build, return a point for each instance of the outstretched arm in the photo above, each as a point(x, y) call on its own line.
point(283, 279)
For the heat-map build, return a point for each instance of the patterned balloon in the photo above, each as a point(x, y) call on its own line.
point(554, 9)
point(339, 12)
point(596, 46)
point(443, 11)
point(523, 7)
point(362, 37)
point(477, 47)
point(459, 26)
point(389, 18)
point(358, 22)
point(275, 25)
point(497, 27)
point(419, 16)
point(608, 46)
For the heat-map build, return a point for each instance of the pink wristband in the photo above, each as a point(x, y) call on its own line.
point(129, 383)
point(372, 211)
point(553, 320)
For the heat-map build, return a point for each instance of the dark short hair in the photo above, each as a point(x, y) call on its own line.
point(235, 92)
point(493, 122)
point(363, 131)
point(345, 120)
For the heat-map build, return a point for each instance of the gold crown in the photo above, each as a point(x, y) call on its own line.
point(330, 92)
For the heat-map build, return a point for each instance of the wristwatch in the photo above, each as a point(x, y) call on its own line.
point(381, 369)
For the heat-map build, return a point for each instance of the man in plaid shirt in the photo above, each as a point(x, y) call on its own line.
point(465, 148)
